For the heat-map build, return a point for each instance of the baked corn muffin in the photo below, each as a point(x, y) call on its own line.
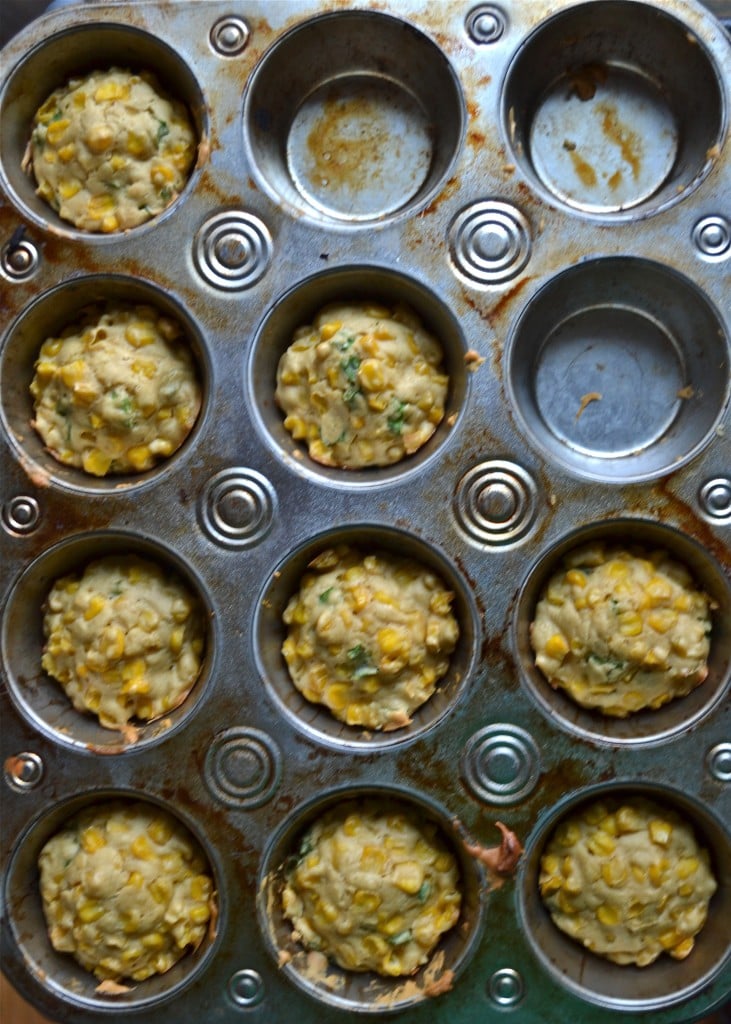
point(628, 880)
point(622, 630)
point(111, 149)
point(369, 636)
point(362, 385)
point(124, 638)
point(372, 888)
point(126, 890)
point(117, 391)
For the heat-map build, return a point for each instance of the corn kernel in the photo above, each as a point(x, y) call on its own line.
point(556, 646)
point(96, 604)
point(576, 577)
point(660, 831)
point(89, 912)
point(140, 456)
point(111, 91)
point(409, 877)
point(686, 867)
point(136, 880)
point(630, 624)
point(336, 696)
point(330, 329)
point(199, 914)
point(56, 130)
point(662, 620)
point(99, 138)
point(608, 915)
point(141, 848)
point(683, 948)
point(92, 839)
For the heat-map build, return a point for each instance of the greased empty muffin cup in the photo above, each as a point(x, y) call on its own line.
point(81, 51)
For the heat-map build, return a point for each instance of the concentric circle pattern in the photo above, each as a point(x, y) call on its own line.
point(495, 502)
point(490, 242)
point(229, 36)
point(485, 24)
point(715, 499)
point(501, 764)
point(712, 238)
point(21, 515)
point(506, 988)
point(237, 507)
point(232, 250)
point(246, 988)
point(24, 771)
point(243, 767)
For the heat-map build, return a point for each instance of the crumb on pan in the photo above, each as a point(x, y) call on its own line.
point(587, 399)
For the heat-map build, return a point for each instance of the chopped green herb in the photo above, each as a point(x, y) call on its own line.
point(166, 193)
point(305, 846)
point(612, 668)
point(401, 938)
point(162, 131)
point(396, 419)
point(325, 595)
point(343, 346)
point(424, 892)
point(349, 367)
point(351, 393)
point(57, 115)
point(116, 589)
point(63, 407)
point(362, 662)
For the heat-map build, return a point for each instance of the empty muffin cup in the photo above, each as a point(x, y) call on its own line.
point(619, 369)
point(353, 117)
point(614, 109)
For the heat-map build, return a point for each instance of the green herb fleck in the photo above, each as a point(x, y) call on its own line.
point(162, 131)
point(305, 846)
point(325, 595)
point(401, 938)
point(57, 115)
point(63, 407)
point(396, 419)
point(349, 367)
point(424, 892)
point(166, 193)
point(611, 668)
point(362, 662)
point(343, 346)
point(351, 393)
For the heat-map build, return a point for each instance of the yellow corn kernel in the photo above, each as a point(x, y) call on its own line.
point(669, 939)
point(686, 867)
point(336, 696)
point(608, 915)
point(44, 370)
point(564, 904)
point(137, 668)
point(111, 91)
point(92, 839)
point(154, 941)
point(93, 700)
point(372, 858)
point(96, 604)
point(296, 426)
point(115, 648)
point(136, 879)
point(161, 174)
point(393, 925)
point(199, 914)
point(90, 911)
point(51, 347)
point(145, 367)
point(555, 597)
point(350, 828)
point(66, 153)
point(682, 603)
point(549, 884)
point(56, 130)
point(99, 138)
point(137, 685)
point(686, 889)
point(160, 890)
point(73, 372)
point(176, 640)
point(140, 456)
point(550, 863)
point(576, 577)
point(662, 620)
point(378, 311)
point(683, 948)
point(328, 330)
point(384, 333)
point(100, 205)
point(200, 887)
point(375, 945)
point(328, 911)
point(601, 844)
point(660, 831)
point(630, 624)
point(390, 640)
point(638, 873)
point(409, 876)
point(658, 590)
point(656, 872)
point(370, 375)
point(141, 848)
point(556, 646)
point(444, 862)
point(139, 334)
point(110, 223)
point(613, 872)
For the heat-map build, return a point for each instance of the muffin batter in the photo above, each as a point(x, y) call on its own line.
point(362, 385)
point(373, 888)
point(117, 391)
point(126, 890)
point(111, 150)
point(622, 631)
point(124, 639)
point(628, 880)
point(369, 636)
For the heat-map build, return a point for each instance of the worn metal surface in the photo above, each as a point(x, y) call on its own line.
point(344, 153)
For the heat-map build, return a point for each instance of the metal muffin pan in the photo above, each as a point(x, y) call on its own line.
point(549, 186)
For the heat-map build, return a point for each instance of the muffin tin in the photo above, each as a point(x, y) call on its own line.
point(548, 185)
